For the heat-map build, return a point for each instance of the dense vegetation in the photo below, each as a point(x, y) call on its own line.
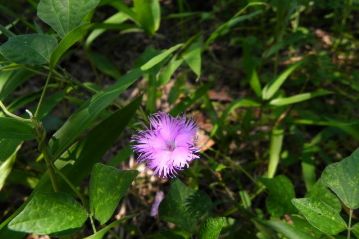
point(272, 85)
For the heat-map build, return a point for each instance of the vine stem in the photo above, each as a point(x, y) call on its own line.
point(43, 93)
point(350, 223)
point(41, 139)
point(8, 113)
point(92, 224)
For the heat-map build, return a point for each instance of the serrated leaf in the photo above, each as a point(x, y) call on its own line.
point(65, 15)
point(212, 227)
point(107, 186)
point(31, 49)
point(320, 215)
point(343, 179)
point(49, 213)
point(199, 204)
point(281, 192)
point(173, 209)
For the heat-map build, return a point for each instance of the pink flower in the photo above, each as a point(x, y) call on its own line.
point(168, 145)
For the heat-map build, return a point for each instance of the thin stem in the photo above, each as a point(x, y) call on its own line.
point(41, 139)
point(92, 224)
point(350, 223)
point(8, 113)
point(73, 188)
point(43, 93)
point(50, 166)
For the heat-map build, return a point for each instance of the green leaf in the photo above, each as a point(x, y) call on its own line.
point(68, 41)
point(275, 149)
point(281, 192)
point(343, 179)
point(104, 64)
point(271, 88)
point(192, 56)
point(236, 19)
point(107, 186)
point(173, 207)
point(159, 58)
point(49, 213)
point(10, 80)
point(50, 103)
point(320, 192)
point(287, 230)
point(106, 132)
point(65, 15)
point(117, 18)
point(148, 14)
point(355, 230)
point(320, 215)
point(15, 129)
point(85, 117)
point(31, 49)
point(298, 98)
point(168, 70)
point(255, 83)
point(6, 166)
point(212, 227)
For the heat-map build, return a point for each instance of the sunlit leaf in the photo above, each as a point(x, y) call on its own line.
point(49, 213)
point(65, 15)
point(107, 186)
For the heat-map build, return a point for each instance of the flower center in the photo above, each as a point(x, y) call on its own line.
point(171, 146)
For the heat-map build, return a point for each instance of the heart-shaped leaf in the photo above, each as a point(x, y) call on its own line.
point(31, 49)
point(49, 213)
point(107, 186)
point(343, 179)
point(320, 215)
point(65, 15)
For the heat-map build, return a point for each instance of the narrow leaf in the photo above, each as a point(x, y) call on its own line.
point(298, 98)
point(160, 57)
point(6, 166)
point(14, 129)
point(271, 88)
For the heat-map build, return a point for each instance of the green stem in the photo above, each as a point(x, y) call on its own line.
point(92, 224)
point(350, 223)
point(73, 188)
point(43, 93)
point(8, 113)
point(41, 139)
